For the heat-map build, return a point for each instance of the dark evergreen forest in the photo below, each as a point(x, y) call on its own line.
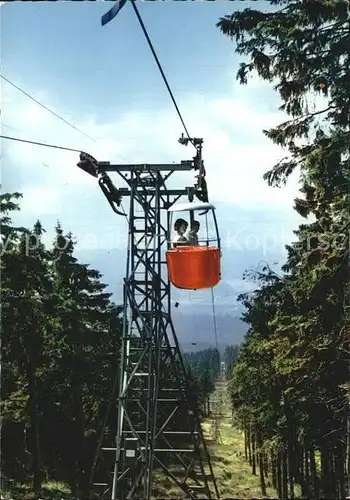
point(60, 338)
point(60, 350)
point(289, 382)
point(290, 385)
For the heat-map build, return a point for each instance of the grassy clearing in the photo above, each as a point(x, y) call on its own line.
point(232, 472)
point(51, 490)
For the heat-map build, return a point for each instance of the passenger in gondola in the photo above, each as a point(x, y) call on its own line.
point(192, 236)
point(180, 227)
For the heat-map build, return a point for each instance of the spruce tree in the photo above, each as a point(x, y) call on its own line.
point(298, 338)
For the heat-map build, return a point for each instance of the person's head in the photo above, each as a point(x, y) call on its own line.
point(180, 226)
point(195, 226)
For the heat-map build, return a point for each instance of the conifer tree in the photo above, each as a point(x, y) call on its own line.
point(85, 314)
point(297, 341)
point(60, 344)
point(24, 323)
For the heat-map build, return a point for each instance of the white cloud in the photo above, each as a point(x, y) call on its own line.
point(39, 200)
point(235, 151)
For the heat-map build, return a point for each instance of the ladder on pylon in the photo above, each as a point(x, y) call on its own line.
point(157, 417)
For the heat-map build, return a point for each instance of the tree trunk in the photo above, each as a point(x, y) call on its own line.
point(83, 472)
point(333, 478)
point(326, 481)
point(261, 465)
point(245, 443)
point(279, 474)
point(313, 471)
point(284, 475)
point(274, 470)
point(207, 405)
point(266, 465)
point(291, 450)
point(38, 475)
point(291, 463)
point(340, 462)
point(301, 474)
point(262, 475)
point(304, 469)
point(249, 435)
point(253, 454)
point(301, 460)
point(307, 464)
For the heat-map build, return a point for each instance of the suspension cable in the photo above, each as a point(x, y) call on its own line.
point(46, 108)
point(214, 319)
point(52, 112)
point(160, 68)
point(212, 293)
point(41, 144)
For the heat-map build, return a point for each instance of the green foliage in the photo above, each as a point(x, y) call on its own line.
point(60, 357)
point(60, 346)
point(289, 384)
point(230, 356)
point(298, 47)
point(205, 369)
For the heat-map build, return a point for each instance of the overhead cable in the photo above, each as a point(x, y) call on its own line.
point(47, 109)
point(40, 144)
point(53, 113)
point(160, 68)
point(214, 319)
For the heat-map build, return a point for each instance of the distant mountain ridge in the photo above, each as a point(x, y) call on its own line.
point(193, 318)
point(198, 328)
point(249, 236)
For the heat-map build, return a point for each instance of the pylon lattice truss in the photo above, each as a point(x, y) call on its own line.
point(158, 425)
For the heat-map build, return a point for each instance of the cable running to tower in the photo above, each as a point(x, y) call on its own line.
point(201, 186)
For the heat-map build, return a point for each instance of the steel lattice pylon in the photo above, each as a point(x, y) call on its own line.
point(158, 422)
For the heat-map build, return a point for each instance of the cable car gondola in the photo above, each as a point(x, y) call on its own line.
point(193, 258)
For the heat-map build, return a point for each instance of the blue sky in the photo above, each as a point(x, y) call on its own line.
point(62, 46)
point(105, 81)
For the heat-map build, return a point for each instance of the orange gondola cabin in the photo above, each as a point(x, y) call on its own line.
point(193, 256)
